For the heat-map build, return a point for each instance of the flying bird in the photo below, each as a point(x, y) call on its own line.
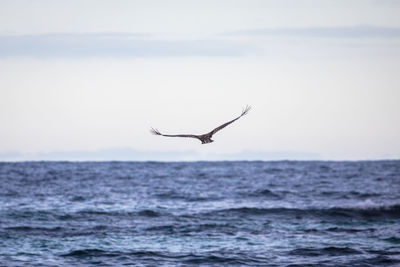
point(204, 138)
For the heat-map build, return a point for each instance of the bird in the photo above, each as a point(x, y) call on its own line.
point(204, 138)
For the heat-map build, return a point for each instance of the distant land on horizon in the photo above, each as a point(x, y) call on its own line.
point(130, 154)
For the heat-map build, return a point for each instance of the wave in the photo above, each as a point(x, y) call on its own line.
point(379, 260)
point(173, 195)
point(80, 253)
point(194, 229)
point(322, 256)
point(334, 213)
point(390, 212)
point(61, 231)
point(149, 213)
point(349, 230)
point(393, 240)
point(33, 229)
point(350, 195)
point(266, 193)
point(119, 213)
point(326, 251)
point(213, 257)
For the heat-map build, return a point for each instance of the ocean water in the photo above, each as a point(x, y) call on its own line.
point(200, 213)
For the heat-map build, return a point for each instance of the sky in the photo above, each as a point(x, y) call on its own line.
point(85, 80)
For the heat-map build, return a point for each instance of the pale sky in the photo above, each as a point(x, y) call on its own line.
point(84, 77)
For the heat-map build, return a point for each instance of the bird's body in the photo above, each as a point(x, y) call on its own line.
point(204, 138)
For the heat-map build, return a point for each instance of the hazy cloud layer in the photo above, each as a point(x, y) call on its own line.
point(112, 45)
point(231, 44)
point(324, 32)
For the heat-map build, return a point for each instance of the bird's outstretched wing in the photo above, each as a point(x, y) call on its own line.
point(156, 132)
point(244, 112)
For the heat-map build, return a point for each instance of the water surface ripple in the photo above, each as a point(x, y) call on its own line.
point(254, 213)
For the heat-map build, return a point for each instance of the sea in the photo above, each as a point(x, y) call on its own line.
point(226, 213)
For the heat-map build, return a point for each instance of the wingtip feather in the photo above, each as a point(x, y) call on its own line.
point(155, 131)
point(246, 110)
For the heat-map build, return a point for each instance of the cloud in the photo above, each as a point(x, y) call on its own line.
point(113, 45)
point(324, 32)
point(125, 45)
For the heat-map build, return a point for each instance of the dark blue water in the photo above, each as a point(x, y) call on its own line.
point(201, 213)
